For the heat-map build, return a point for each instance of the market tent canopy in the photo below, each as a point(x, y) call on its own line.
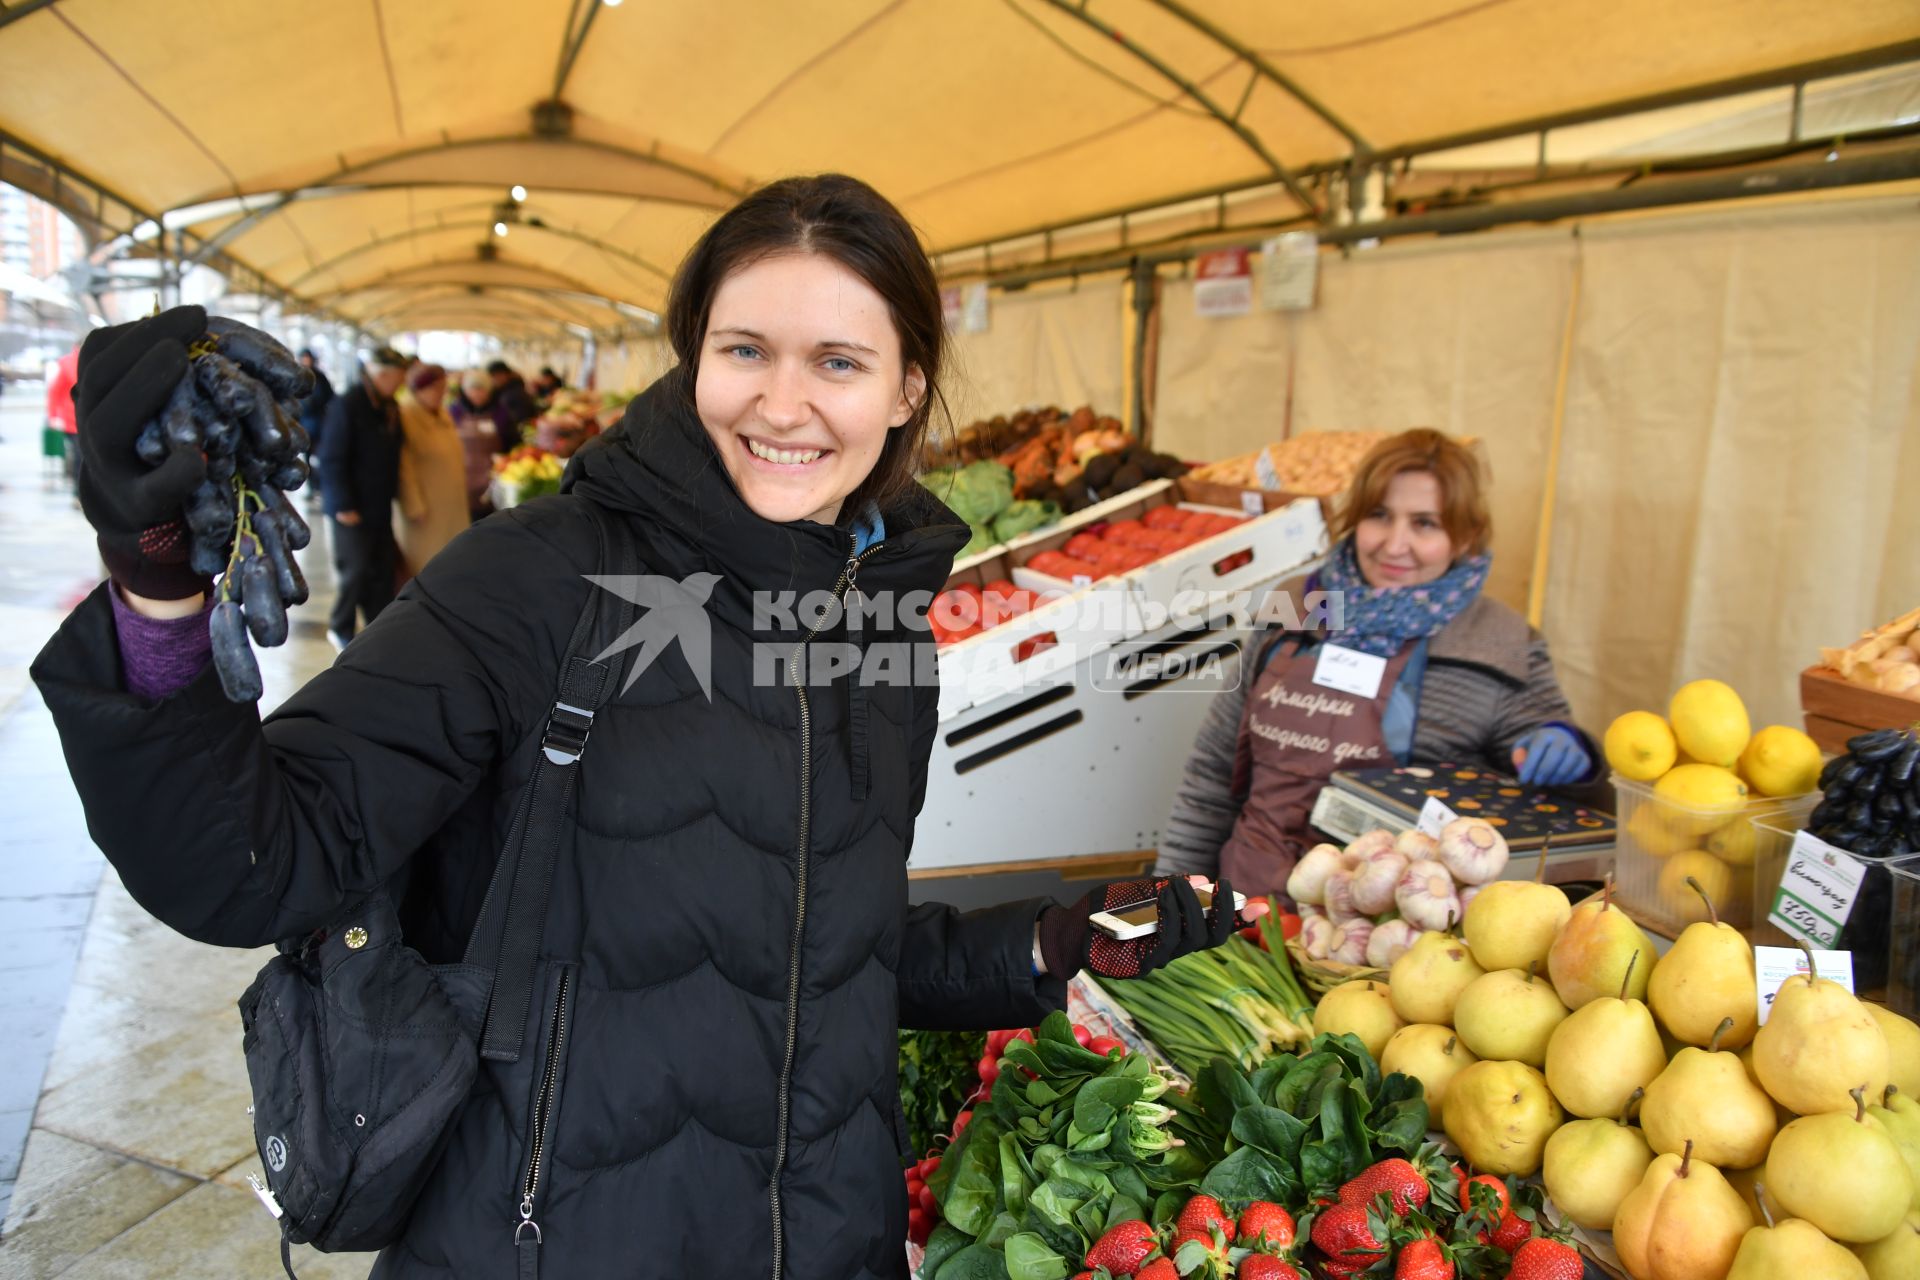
point(360, 153)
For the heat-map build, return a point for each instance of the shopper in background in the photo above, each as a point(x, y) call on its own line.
point(472, 414)
point(432, 505)
point(708, 1085)
point(546, 383)
point(60, 414)
point(313, 411)
point(360, 470)
point(1464, 678)
point(512, 406)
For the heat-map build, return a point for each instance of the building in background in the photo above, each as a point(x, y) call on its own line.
point(40, 320)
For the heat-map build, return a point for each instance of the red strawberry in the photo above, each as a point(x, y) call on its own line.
point(1158, 1269)
point(1346, 1237)
point(1263, 1224)
point(1395, 1177)
point(1467, 1205)
point(1512, 1232)
point(1264, 1266)
point(1201, 1215)
point(1544, 1259)
point(1124, 1249)
point(1422, 1259)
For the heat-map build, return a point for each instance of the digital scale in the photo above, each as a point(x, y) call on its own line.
point(1527, 817)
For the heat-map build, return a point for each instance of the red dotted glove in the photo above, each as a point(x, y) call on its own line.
point(1069, 942)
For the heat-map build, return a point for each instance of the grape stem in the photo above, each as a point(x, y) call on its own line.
point(242, 531)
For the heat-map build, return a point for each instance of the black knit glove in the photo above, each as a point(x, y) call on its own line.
point(1070, 943)
point(126, 375)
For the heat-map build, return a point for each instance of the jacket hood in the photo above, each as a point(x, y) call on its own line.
point(660, 466)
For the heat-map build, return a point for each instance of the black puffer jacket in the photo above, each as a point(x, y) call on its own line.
point(730, 947)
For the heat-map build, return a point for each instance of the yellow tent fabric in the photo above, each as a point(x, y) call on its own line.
point(359, 152)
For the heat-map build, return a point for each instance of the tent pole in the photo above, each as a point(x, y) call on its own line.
point(1550, 483)
point(1144, 279)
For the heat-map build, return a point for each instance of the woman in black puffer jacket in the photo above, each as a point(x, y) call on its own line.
point(729, 947)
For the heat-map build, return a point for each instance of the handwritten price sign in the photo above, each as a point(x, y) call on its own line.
point(1816, 890)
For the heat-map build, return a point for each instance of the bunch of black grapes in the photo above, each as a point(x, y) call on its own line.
point(1871, 808)
point(238, 405)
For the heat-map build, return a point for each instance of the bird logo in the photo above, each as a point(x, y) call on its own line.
point(674, 610)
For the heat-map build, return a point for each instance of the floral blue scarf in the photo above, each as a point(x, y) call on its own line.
point(1379, 620)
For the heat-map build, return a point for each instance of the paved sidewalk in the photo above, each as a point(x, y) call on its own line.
point(136, 1098)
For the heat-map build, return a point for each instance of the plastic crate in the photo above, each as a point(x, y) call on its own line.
point(1736, 858)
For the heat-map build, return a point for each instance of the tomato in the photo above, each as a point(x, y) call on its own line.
point(1021, 600)
point(1165, 518)
point(1290, 925)
point(1082, 1036)
point(1035, 644)
point(1083, 545)
point(971, 588)
point(1105, 1046)
point(1001, 587)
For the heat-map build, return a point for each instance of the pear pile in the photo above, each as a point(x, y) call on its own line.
point(1552, 1039)
point(1707, 768)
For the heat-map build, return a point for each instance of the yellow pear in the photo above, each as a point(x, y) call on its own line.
point(1509, 1014)
point(1427, 979)
point(1903, 1048)
point(1899, 1115)
point(1510, 924)
point(1840, 1172)
point(1791, 1249)
point(1650, 829)
point(1745, 1181)
point(1818, 1045)
point(1706, 978)
point(1895, 1256)
point(1362, 1007)
point(1596, 950)
point(1683, 1222)
point(1606, 1051)
point(1781, 761)
point(1781, 1116)
point(1705, 1096)
point(1500, 1115)
point(1699, 798)
point(1433, 1055)
point(1639, 745)
point(1589, 1166)
point(1710, 722)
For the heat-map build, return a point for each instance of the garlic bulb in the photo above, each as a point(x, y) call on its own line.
point(1350, 942)
point(1416, 844)
point(1339, 904)
point(1308, 881)
point(1365, 846)
point(1472, 850)
point(1316, 936)
point(1373, 884)
point(1426, 897)
point(1389, 942)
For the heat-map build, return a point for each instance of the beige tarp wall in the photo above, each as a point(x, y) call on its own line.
point(1057, 344)
point(1742, 422)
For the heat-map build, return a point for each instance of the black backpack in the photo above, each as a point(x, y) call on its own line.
point(361, 1054)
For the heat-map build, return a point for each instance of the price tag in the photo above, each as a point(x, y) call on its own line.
point(1349, 671)
point(1816, 890)
point(1263, 468)
point(1773, 966)
point(1082, 580)
point(1251, 502)
point(1433, 816)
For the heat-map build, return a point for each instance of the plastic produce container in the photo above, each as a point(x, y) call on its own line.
point(1871, 929)
point(1737, 856)
point(1903, 949)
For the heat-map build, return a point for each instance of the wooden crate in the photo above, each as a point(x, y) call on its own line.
point(1836, 709)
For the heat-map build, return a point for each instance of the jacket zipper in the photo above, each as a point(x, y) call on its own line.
point(841, 585)
point(542, 1114)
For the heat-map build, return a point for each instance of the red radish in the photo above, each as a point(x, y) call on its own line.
point(989, 1070)
point(961, 1121)
point(1106, 1045)
point(914, 1186)
point(996, 1041)
point(927, 1202)
point(1024, 1033)
point(917, 1225)
point(1082, 1036)
point(926, 1167)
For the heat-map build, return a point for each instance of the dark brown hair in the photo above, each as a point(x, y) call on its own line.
point(848, 221)
point(1463, 499)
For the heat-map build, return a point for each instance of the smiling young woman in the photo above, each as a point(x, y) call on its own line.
point(709, 1083)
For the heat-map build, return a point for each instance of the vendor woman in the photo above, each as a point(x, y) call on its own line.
point(1424, 667)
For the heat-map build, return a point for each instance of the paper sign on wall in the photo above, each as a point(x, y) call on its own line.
point(1433, 816)
point(1816, 890)
point(973, 309)
point(1223, 283)
point(1772, 966)
point(1289, 271)
point(950, 306)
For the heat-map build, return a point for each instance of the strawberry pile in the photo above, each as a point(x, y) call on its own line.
point(1203, 1241)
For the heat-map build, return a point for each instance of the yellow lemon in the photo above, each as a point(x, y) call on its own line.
point(1678, 897)
point(1781, 761)
point(1655, 835)
point(1734, 844)
point(1710, 722)
point(1700, 797)
point(1640, 745)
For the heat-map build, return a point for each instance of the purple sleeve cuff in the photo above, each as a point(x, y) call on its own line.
point(160, 656)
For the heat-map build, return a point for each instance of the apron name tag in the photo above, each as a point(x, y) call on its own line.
point(1349, 671)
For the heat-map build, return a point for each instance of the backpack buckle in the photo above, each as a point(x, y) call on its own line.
point(566, 736)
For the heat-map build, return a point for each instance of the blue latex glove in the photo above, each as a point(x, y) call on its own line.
point(1551, 756)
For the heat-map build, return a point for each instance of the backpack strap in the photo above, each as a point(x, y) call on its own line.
point(586, 685)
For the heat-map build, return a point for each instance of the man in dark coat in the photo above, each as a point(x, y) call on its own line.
point(313, 412)
point(511, 403)
point(359, 476)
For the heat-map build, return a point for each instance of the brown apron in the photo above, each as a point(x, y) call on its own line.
point(1293, 735)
